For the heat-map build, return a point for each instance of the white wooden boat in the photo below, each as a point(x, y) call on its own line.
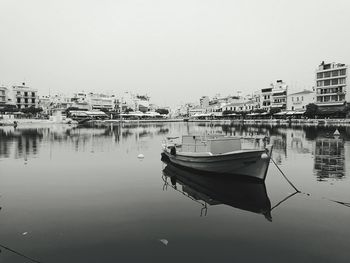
point(217, 154)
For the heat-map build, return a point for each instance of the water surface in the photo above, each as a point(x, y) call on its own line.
point(80, 194)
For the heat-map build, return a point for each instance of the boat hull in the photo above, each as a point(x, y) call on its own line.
point(252, 163)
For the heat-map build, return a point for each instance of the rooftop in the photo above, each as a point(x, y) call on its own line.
point(302, 92)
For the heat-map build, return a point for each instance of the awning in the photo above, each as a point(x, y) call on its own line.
point(331, 109)
point(281, 113)
point(290, 112)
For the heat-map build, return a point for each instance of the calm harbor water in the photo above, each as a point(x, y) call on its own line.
point(78, 194)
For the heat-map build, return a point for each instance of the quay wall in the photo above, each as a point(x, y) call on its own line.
point(294, 122)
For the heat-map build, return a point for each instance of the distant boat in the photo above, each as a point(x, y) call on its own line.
point(244, 194)
point(218, 154)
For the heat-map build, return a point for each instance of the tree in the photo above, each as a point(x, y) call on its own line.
point(127, 110)
point(162, 111)
point(274, 111)
point(8, 108)
point(31, 110)
point(311, 110)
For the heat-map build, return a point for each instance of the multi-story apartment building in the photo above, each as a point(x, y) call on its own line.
point(101, 101)
point(332, 84)
point(298, 101)
point(3, 95)
point(25, 97)
point(275, 96)
point(93, 101)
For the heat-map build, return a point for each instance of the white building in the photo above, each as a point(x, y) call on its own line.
point(275, 96)
point(101, 101)
point(332, 84)
point(25, 97)
point(4, 95)
point(298, 101)
point(93, 101)
point(241, 106)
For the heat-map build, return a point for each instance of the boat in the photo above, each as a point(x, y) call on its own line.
point(241, 193)
point(217, 154)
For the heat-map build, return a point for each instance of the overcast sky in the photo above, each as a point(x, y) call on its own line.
point(174, 51)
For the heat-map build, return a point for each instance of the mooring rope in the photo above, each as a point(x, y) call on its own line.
point(285, 177)
point(20, 254)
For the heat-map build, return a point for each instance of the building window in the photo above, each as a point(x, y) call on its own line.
point(18, 100)
point(25, 94)
point(335, 73)
point(302, 98)
point(25, 100)
point(319, 75)
point(33, 94)
point(342, 81)
point(334, 81)
point(342, 72)
point(33, 100)
point(18, 93)
point(327, 74)
point(327, 82)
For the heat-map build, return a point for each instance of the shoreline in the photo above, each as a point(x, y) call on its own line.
point(277, 122)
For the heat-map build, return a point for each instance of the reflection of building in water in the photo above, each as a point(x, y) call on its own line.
point(329, 158)
point(20, 143)
point(298, 142)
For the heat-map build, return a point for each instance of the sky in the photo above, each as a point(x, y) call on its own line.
point(174, 51)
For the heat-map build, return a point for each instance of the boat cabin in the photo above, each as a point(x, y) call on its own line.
point(214, 144)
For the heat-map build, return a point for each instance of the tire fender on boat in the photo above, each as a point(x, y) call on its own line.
point(173, 150)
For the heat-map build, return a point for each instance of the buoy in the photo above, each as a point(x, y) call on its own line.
point(140, 156)
point(164, 241)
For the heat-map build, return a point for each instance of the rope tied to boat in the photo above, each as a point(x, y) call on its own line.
point(283, 174)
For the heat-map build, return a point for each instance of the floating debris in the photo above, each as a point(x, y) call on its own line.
point(24, 233)
point(164, 241)
point(140, 156)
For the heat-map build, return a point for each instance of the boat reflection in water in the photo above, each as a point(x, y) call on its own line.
point(242, 193)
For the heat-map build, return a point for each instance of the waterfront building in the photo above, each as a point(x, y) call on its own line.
point(204, 102)
point(275, 96)
point(332, 84)
point(195, 111)
point(241, 106)
point(25, 96)
point(101, 101)
point(298, 101)
point(141, 103)
point(4, 95)
point(54, 103)
point(91, 101)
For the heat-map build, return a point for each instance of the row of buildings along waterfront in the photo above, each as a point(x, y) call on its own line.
point(331, 91)
point(23, 96)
